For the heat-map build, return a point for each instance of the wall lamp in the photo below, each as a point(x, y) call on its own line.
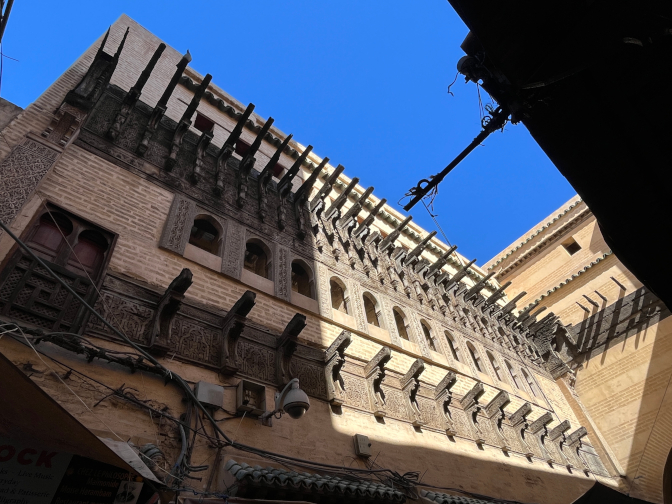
point(292, 400)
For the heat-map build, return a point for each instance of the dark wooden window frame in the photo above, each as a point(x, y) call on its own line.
point(42, 303)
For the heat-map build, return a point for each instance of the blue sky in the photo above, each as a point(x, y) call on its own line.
point(364, 82)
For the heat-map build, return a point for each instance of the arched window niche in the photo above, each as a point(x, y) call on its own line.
point(494, 364)
point(258, 258)
point(427, 333)
point(257, 269)
point(453, 346)
point(302, 279)
point(531, 383)
point(205, 242)
point(513, 374)
point(303, 291)
point(401, 322)
point(475, 357)
point(372, 309)
point(340, 300)
point(342, 308)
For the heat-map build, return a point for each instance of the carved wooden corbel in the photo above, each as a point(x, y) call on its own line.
point(301, 198)
point(518, 421)
point(133, 95)
point(410, 384)
point(232, 328)
point(199, 169)
point(166, 309)
point(494, 410)
point(443, 397)
point(539, 432)
point(335, 359)
point(374, 372)
point(573, 443)
point(471, 407)
point(557, 437)
point(286, 348)
point(185, 122)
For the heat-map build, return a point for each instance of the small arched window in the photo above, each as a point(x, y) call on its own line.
point(533, 386)
point(257, 258)
point(89, 253)
point(371, 309)
point(302, 279)
point(475, 356)
point(47, 238)
point(454, 349)
point(512, 372)
point(428, 335)
point(339, 300)
point(494, 364)
point(205, 234)
point(400, 321)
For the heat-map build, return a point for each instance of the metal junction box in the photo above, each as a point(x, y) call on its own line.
point(251, 398)
point(362, 445)
point(209, 394)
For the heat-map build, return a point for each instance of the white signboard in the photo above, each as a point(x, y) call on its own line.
point(29, 474)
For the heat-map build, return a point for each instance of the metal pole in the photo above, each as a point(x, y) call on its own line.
point(5, 17)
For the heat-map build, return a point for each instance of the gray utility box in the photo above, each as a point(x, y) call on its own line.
point(251, 398)
point(209, 394)
point(362, 445)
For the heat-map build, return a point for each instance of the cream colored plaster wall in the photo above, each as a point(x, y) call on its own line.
point(625, 389)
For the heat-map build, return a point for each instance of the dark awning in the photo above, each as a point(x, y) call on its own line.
point(29, 413)
point(599, 493)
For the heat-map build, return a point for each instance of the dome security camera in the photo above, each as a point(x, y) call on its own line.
point(292, 400)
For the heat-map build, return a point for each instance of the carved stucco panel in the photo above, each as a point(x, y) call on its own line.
point(311, 377)
point(178, 224)
point(395, 403)
point(389, 320)
point(283, 277)
point(357, 304)
point(256, 361)
point(195, 341)
point(356, 393)
point(234, 250)
point(129, 317)
point(461, 422)
point(418, 335)
point(430, 414)
point(323, 290)
point(20, 173)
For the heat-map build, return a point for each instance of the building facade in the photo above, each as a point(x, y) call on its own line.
point(605, 337)
point(238, 260)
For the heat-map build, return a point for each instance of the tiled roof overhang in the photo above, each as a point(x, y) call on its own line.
point(257, 481)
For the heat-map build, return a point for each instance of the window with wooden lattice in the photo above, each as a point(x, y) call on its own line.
point(75, 250)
